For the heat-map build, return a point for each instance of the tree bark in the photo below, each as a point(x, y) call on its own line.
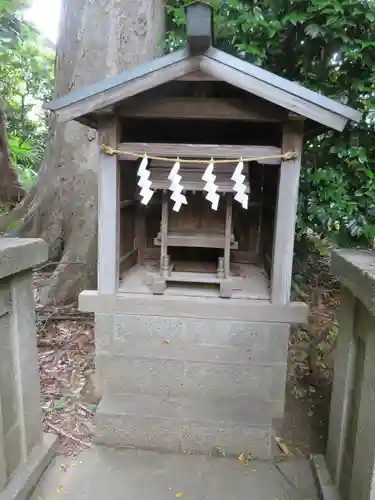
point(11, 191)
point(98, 39)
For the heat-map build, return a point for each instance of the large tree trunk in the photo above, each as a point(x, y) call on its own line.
point(11, 191)
point(98, 39)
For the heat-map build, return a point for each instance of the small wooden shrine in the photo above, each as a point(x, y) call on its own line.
point(199, 158)
point(205, 151)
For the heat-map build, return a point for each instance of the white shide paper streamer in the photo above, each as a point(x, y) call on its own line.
point(240, 187)
point(176, 188)
point(210, 186)
point(144, 183)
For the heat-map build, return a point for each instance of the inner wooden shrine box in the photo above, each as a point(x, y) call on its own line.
point(223, 252)
point(200, 103)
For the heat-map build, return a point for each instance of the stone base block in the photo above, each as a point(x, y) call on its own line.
point(190, 384)
point(171, 377)
point(26, 476)
point(149, 335)
point(187, 426)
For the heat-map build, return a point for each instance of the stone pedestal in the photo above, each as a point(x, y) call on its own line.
point(190, 384)
point(23, 449)
point(350, 455)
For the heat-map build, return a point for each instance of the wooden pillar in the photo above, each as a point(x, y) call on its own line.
point(140, 232)
point(164, 229)
point(109, 211)
point(283, 244)
point(228, 234)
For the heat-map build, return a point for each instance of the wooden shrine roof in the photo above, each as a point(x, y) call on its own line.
point(86, 105)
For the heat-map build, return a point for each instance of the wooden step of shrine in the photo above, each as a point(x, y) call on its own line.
point(230, 426)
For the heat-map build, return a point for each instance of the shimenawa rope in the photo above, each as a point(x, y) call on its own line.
point(290, 155)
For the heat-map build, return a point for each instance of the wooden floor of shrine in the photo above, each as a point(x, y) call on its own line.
point(250, 282)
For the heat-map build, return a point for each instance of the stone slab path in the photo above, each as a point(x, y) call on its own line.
point(102, 473)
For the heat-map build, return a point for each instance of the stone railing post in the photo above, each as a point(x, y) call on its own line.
point(24, 449)
point(348, 469)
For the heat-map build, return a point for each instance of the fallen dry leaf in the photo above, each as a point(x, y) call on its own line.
point(66, 364)
point(245, 458)
point(283, 447)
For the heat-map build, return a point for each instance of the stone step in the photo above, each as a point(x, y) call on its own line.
point(222, 425)
point(189, 378)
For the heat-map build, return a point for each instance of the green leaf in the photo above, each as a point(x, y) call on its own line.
point(295, 17)
point(369, 230)
point(60, 403)
point(92, 407)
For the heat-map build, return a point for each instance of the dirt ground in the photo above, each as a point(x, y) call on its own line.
point(305, 425)
point(66, 342)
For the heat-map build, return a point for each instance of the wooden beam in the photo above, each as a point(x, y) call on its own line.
point(128, 261)
point(180, 239)
point(283, 245)
point(197, 76)
point(127, 203)
point(106, 112)
point(134, 82)
point(265, 90)
point(192, 174)
point(201, 151)
point(109, 212)
point(199, 108)
point(295, 116)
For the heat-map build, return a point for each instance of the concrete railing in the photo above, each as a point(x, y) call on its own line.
point(24, 449)
point(348, 469)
